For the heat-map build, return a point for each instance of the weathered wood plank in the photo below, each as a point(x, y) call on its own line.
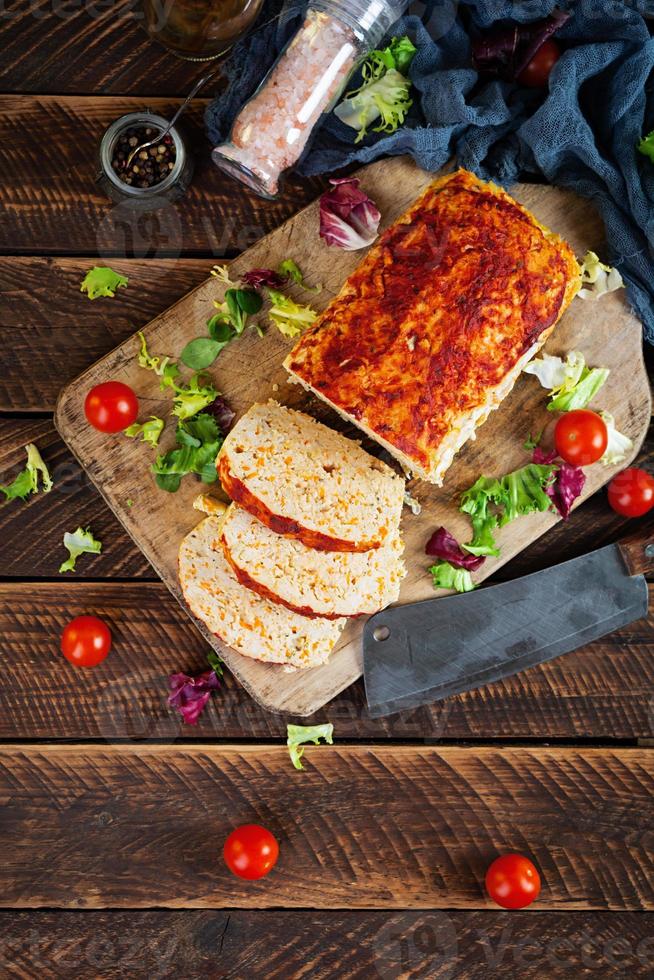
point(361, 827)
point(90, 47)
point(605, 690)
point(49, 201)
point(353, 945)
point(32, 531)
point(50, 331)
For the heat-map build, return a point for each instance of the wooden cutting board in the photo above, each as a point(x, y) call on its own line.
point(250, 369)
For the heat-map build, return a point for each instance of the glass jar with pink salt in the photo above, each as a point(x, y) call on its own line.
point(273, 129)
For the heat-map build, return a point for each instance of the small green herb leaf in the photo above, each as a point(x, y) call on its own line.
point(248, 300)
point(201, 353)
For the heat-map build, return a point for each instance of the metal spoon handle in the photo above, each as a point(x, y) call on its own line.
point(201, 82)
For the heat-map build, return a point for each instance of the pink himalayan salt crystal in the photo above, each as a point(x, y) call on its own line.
point(273, 128)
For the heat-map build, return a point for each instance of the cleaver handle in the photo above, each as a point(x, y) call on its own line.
point(637, 549)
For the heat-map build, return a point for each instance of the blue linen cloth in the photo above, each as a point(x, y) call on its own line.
point(581, 133)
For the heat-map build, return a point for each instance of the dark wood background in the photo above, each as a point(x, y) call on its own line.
point(113, 813)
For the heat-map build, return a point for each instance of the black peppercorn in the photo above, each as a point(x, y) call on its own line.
point(151, 165)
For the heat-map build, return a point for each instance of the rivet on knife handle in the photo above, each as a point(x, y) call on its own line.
point(637, 549)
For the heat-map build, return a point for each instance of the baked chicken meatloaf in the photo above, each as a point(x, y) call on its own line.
point(305, 481)
point(431, 331)
point(310, 582)
point(248, 622)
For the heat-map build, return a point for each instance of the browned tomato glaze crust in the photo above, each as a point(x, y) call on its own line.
point(439, 311)
point(239, 493)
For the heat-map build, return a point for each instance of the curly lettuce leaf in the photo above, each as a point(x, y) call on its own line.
point(189, 695)
point(289, 317)
point(525, 491)
point(476, 502)
point(298, 735)
point(27, 481)
point(291, 270)
point(79, 542)
point(618, 445)
point(598, 278)
point(102, 281)
point(149, 431)
point(164, 367)
point(384, 97)
point(221, 272)
point(582, 393)
point(446, 576)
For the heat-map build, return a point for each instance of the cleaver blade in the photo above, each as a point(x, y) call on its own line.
point(426, 651)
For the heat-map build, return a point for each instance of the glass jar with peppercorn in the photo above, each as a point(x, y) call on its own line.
point(157, 174)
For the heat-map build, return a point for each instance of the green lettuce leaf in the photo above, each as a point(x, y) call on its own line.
point(582, 393)
point(524, 491)
point(27, 481)
point(476, 502)
point(493, 503)
point(289, 317)
point(102, 281)
point(192, 398)
point(299, 735)
point(80, 542)
point(446, 576)
point(199, 438)
point(149, 431)
point(571, 383)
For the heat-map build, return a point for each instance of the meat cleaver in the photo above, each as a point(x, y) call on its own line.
point(426, 651)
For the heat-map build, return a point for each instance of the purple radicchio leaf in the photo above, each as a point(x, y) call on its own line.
point(506, 51)
point(223, 413)
point(543, 456)
point(444, 546)
point(348, 217)
point(190, 694)
point(566, 488)
point(256, 278)
point(568, 481)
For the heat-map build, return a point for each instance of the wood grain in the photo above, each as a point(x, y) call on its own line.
point(605, 690)
point(353, 945)
point(607, 332)
point(49, 201)
point(50, 331)
point(32, 530)
point(360, 827)
point(89, 47)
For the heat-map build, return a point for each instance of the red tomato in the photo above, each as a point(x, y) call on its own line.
point(631, 493)
point(513, 881)
point(111, 406)
point(86, 641)
point(581, 437)
point(251, 851)
point(537, 71)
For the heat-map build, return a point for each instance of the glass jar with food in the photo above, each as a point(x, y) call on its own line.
point(199, 29)
point(273, 129)
point(150, 177)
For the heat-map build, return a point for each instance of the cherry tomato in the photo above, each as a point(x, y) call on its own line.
point(111, 406)
point(536, 73)
point(581, 437)
point(631, 493)
point(86, 641)
point(251, 851)
point(513, 881)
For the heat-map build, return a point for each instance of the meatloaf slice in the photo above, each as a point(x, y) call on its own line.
point(305, 481)
point(310, 582)
point(245, 621)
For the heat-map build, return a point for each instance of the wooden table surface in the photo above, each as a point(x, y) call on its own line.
point(113, 813)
